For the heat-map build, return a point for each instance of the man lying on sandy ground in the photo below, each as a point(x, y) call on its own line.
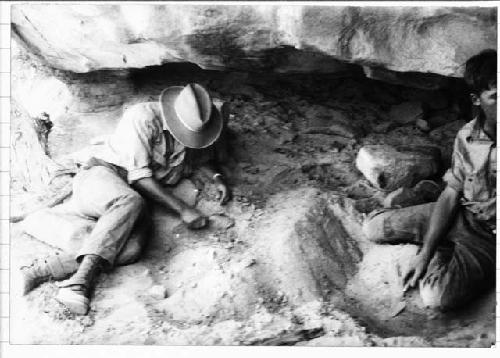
point(154, 144)
point(456, 261)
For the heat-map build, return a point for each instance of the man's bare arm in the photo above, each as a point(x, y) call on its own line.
point(151, 189)
point(444, 211)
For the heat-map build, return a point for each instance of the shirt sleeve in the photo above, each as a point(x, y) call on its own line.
point(455, 176)
point(133, 140)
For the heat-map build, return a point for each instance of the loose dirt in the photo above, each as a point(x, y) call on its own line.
point(285, 261)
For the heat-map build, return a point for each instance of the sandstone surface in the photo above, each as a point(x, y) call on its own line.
point(283, 38)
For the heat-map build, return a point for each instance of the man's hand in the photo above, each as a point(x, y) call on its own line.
point(193, 218)
point(415, 271)
point(223, 192)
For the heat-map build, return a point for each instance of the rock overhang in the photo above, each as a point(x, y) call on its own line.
point(268, 37)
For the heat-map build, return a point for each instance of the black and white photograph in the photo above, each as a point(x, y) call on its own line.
point(283, 173)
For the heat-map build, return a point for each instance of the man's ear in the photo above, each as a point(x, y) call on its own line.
point(475, 99)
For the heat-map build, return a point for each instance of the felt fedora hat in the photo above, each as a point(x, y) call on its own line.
point(190, 115)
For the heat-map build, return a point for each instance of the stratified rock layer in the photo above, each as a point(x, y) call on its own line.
point(283, 38)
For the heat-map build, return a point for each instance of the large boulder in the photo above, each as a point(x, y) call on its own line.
point(83, 38)
point(390, 168)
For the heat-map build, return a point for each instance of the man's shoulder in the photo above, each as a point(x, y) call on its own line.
point(141, 108)
point(466, 130)
point(144, 112)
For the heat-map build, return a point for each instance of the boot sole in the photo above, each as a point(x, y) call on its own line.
point(76, 303)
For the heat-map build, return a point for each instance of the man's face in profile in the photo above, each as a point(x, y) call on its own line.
point(487, 100)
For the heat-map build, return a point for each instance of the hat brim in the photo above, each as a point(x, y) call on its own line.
point(202, 139)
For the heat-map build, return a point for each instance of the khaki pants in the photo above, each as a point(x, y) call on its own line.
point(122, 220)
point(464, 264)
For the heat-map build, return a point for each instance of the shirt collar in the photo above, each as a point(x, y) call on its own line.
point(477, 134)
point(155, 107)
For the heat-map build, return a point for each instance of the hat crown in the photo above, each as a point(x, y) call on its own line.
point(193, 106)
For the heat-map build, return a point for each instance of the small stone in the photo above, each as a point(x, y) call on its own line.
point(422, 125)
point(87, 321)
point(221, 222)
point(249, 261)
point(158, 292)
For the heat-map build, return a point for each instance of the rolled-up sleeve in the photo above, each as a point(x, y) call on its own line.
point(455, 176)
point(133, 140)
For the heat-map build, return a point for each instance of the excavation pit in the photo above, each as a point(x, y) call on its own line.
point(285, 262)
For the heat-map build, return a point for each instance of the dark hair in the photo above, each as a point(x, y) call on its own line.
point(481, 71)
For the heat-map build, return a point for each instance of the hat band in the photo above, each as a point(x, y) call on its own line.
point(187, 125)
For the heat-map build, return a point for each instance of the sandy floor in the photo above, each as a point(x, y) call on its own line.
point(284, 262)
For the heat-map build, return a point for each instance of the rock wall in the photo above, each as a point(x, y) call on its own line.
point(282, 38)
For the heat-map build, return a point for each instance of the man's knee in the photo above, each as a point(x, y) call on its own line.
point(136, 243)
point(135, 201)
point(373, 228)
point(130, 253)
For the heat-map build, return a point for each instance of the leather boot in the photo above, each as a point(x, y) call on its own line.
point(54, 267)
point(75, 292)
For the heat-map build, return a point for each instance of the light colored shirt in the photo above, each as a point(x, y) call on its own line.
point(143, 147)
point(473, 171)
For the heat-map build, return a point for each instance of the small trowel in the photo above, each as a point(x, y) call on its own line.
point(400, 303)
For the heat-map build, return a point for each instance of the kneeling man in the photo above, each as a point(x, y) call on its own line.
point(457, 258)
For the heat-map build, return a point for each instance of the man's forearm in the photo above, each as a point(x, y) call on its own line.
point(151, 189)
point(441, 218)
